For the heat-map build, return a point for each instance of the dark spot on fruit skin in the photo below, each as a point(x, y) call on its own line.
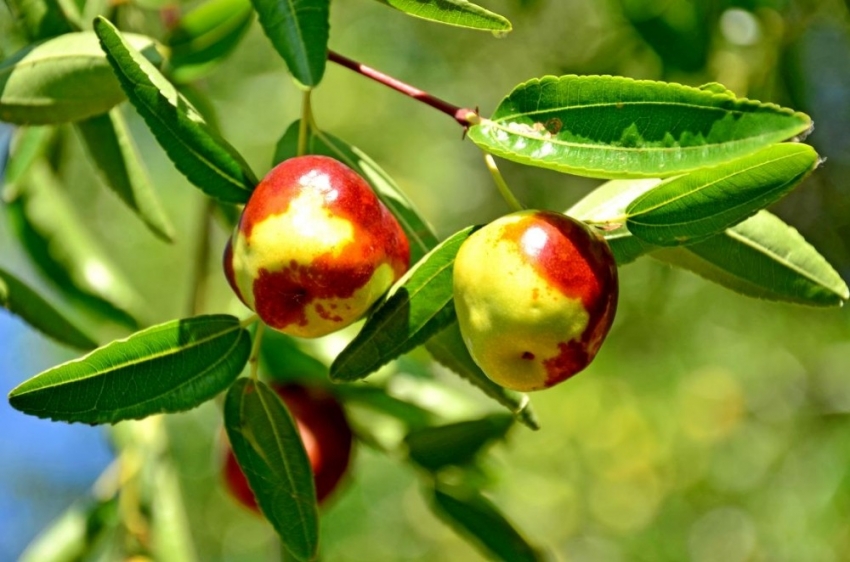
point(281, 297)
point(527, 355)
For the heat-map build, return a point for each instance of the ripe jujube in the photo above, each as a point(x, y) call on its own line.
point(535, 294)
point(314, 248)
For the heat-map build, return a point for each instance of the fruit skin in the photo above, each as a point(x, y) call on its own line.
point(314, 248)
point(326, 436)
point(535, 294)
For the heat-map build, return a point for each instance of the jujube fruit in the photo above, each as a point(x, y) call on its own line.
point(535, 294)
point(326, 436)
point(314, 248)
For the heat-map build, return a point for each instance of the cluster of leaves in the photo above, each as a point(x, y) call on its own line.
point(691, 171)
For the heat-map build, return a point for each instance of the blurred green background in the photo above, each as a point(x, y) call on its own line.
point(710, 427)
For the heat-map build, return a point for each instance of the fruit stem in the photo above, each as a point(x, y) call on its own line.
point(253, 360)
point(465, 117)
point(304, 126)
point(501, 184)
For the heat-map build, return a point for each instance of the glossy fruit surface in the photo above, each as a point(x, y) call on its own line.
point(326, 436)
point(535, 294)
point(314, 248)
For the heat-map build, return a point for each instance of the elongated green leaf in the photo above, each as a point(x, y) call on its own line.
point(19, 299)
point(606, 206)
point(459, 13)
point(65, 249)
point(299, 30)
point(612, 127)
point(456, 444)
point(448, 349)
point(422, 239)
point(76, 534)
point(206, 160)
point(30, 144)
point(170, 367)
point(171, 539)
point(475, 516)
point(417, 307)
point(378, 399)
point(269, 450)
point(705, 202)
point(40, 19)
point(63, 79)
point(206, 35)
point(113, 151)
point(286, 361)
point(765, 258)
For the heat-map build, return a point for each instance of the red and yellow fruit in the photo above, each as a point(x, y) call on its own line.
point(314, 248)
point(535, 294)
point(326, 436)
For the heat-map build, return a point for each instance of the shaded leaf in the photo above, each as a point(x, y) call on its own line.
point(206, 160)
point(40, 18)
point(170, 367)
point(63, 79)
point(30, 145)
point(268, 448)
point(606, 206)
point(456, 444)
point(21, 300)
point(705, 202)
point(112, 150)
point(299, 30)
point(417, 307)
point(460, 13)
point(613, 127)
point(379, 400)
point(448, 349)
point(765, 258)
point(286, 361)
point(422, 239)
point(206, 35)
point(476, 517)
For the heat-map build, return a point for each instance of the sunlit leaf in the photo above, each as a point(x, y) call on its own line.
point(705, 202)
point(417, 307)
point(448, 349)
point(299, 30)
point(268, 448)
point(171, 538)
point(23, 301)
point(422, 239)
point(206, 160)
point(478, 518)
point(458, 443)
point(613, 127)
point(206, 35)
point(30, 144)
point(63, 79)
point(460, 13)
point(170, 367)
point(765, 258)
point(112, 150)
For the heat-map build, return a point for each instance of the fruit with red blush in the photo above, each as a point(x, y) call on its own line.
point(314, 248)
point(535, 294)
point(326, 436)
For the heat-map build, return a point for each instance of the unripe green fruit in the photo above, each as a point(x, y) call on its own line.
point(535, 294)
point(314, 248)
point(326, 436)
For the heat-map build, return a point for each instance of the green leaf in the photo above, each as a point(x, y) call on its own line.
point(448, 349)
point(417, 307)
point(268, 448)
point(170, 367)
point(422, 239)
point(76, 534)
point(475, 516)
point(29, 146)
point(206, 160)
point(59, 242)
point(112, 150)
point(171, 538)
point(606, 206)
point(459, 13)
point(613, 127)
point(299, 30)
point(379, 400)
point(19, 299)
point(63, 79)
point(705, 202)
point(765, 258)
point(285, 360)
point(456, 444)
point(41, 18)
point(206, 35)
